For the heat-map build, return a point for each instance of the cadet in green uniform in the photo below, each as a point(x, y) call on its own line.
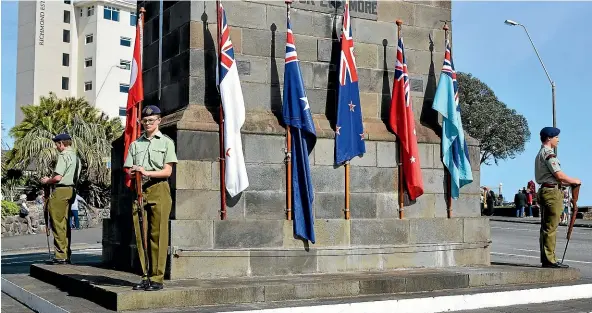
point(64, 180)
point(548, 174)
point(153, 155)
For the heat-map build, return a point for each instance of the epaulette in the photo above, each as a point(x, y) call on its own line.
point(552, 155)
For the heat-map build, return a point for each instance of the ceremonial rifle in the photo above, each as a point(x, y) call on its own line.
point(143, 221)
point(575, 194)
point(46, 194)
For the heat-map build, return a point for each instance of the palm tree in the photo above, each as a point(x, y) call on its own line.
point(91, 130)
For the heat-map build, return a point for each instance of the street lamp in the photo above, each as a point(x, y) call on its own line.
point(514, 23)
point(119, 66)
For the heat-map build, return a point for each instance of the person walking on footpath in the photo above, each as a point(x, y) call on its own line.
point(66, 173)
point(75, 221)
point(153, 155)
point(24, 214)
point(520, 203)
point(549, 176)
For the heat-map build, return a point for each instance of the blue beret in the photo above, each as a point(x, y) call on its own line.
point(150, 110)
point(61, 137)
point(550, 132)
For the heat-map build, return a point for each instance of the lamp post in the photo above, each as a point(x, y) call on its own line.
point(514, 23)
point(119, 66)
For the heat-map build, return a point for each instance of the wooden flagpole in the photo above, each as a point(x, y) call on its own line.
point(139, 113)
point(221, 123)
point(347, 190)
point(401, 180)
point(288, 152)
point(449, 180)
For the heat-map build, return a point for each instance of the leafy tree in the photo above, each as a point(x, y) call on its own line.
point(501, 131)
point(92, 133)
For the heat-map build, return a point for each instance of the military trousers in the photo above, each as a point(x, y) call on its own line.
point(59, 215)
point(157, 205)
point(551, 204)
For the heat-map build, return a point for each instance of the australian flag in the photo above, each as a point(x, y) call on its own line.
point(297, 116)
point(349, 130)
point(455, 153)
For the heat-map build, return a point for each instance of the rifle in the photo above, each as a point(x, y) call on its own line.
point(575, 194)
point(143, 221)
point(46, 217)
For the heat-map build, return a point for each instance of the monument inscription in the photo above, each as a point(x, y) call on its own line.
point(360, 9)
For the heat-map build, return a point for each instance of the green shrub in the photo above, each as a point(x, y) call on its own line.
point(9, 208)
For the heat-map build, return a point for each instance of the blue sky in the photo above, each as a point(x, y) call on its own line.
point(499, 55)
point(502, 57)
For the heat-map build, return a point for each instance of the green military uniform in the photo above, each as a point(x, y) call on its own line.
point(68, 166)
point(152, 154)
point(550, 200)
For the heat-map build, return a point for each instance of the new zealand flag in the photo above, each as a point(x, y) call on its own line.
point(349, 129)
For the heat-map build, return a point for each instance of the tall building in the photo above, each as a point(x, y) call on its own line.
point(75, 49)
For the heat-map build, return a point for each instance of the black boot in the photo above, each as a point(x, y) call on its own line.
point(57, 262)
point(145, 283)
point(154, 286)
point(555, 265)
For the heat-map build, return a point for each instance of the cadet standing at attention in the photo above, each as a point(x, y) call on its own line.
point(66, 175)
point(153, 155)
point(549, 176)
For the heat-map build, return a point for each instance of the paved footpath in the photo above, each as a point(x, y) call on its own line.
point(536, 220)
point(27, 243)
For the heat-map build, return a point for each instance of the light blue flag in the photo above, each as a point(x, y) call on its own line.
point(454, 146)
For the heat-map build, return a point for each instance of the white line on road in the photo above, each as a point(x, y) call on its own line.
point(534, 257)
point(448, 303)
point(537, 229)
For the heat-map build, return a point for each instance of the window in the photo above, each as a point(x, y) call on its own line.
point(66, 35)
point(125, 64)
point(65, 59)
point(87, 86)
point(65, 83)
point(80, 12)
point(133, 19)
point(111, 13)
point(67, 2)
point(90, 11)
point(124, 41)
point(67, 17)
point(88, 62)
point(123, 88)
point(122, 112)
point(89, 39)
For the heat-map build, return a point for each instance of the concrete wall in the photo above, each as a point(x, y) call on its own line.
point(256, 239)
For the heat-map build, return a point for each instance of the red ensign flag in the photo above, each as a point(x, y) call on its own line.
point(402, 122)
point(134, 96)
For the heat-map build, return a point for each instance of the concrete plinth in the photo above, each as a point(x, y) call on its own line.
point(112, 289)
point(256, 240)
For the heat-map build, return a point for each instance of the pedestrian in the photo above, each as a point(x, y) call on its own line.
point(75, 221)
point(490, 199)
point(549, 175)
point(153, 155)
point(65, 176)
point(24, 214)
point(528, 196)
point(520, 203)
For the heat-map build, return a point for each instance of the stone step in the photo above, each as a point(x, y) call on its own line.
point(112, 289)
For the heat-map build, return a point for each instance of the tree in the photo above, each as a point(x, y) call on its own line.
point(92, 133)
point(501, 131)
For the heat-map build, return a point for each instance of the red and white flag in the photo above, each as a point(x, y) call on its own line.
point(402, 122)
point(135, 95)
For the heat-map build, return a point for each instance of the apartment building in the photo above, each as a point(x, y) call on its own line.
point(75, 49)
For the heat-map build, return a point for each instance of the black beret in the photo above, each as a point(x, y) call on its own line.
point(549, 132)
point(150, 110)
point(61, 137)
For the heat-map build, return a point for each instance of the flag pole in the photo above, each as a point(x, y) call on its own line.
point(449, 180)
point(347, 190)
point(138, 176)
point(288, 151)
point(400, 164)
point(221, 125)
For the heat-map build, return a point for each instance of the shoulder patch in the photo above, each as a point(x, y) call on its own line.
point(550, 156)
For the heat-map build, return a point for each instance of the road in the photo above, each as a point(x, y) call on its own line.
point(511, 243)
point(519, 243)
